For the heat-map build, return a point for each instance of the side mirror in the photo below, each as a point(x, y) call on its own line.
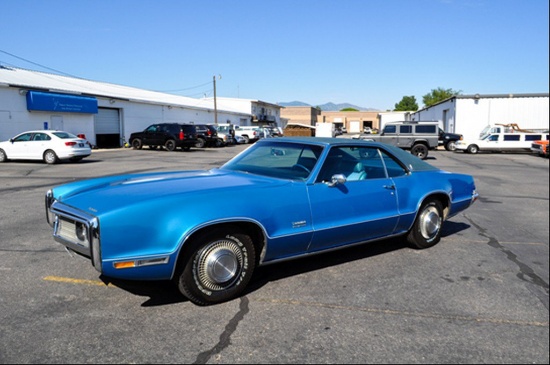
point(11, 140)
point(337, 179)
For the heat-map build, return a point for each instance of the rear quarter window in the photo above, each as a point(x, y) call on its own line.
point(426, 129)
point(511, 137)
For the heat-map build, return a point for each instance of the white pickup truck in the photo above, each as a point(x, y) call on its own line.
point(249, 133)
point(499, 139)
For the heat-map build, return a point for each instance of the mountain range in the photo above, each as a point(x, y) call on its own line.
point(327, 107)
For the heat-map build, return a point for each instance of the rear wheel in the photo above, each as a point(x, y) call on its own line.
point(218, 268)
point(426, 230)
point(50, 157)
point(420, 151)
point(170, 145)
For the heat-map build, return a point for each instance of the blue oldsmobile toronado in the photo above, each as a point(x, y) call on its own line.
point(315, 194)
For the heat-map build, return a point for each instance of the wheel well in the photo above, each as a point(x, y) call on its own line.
point(416, 143)
point(253, 230)
point(445, 202)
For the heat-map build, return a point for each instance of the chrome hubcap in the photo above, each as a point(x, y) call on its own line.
point(430, 223)
point(219, 264)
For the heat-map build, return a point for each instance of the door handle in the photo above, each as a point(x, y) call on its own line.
point(389, 187)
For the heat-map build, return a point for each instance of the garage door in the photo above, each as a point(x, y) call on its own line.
point(107, 128)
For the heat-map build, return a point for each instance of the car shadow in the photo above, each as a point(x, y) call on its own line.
point(166, 292)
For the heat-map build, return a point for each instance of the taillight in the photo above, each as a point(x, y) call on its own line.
point(70, 144)
point(209, 132)
point(182, 135)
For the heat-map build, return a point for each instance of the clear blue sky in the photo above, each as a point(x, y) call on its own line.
point(369, 53)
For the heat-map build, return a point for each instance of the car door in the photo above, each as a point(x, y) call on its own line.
point(40, 142)
point(405, 136)
point(153, 136)
point(357, 210)
point(19, 147)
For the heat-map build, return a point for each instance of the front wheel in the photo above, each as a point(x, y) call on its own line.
point(426, 230)
point(219, 267)
point(137, 144)
point(450, 146)
point(3, 156)
point(200, 143)
point(473, 149)
point(420, 151)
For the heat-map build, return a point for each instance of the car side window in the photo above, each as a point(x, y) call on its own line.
point(23, 138)
point(152, 129)
point(390, 129)
point(392, 167)
point(41, 137)
point(405, 129)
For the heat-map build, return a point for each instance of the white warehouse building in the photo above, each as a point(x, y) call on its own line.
point(105, 113)
point(469, 114)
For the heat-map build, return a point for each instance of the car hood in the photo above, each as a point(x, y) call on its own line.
point(107, 194)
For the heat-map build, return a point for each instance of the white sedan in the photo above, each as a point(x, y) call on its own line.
point(49, 146)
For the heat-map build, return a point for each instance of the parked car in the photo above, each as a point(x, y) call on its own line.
point(167, 135)
point(448, 140)
point(240, 139)
point(250, 134)
point(318, 194)
point(498, 141)
point(416, 137)
point(540, 148)
point(227, 134)
point(46, 145)
point(207, 136)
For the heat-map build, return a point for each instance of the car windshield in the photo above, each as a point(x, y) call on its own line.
point(293, 161)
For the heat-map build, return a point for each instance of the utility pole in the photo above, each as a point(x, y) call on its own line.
point(215, 103)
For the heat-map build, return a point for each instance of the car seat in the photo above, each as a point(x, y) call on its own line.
point(358, 173)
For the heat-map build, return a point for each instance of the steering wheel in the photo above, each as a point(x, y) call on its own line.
point(301, 167)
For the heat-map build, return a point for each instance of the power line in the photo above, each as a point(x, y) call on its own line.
point(66, 74)
point(37, 64)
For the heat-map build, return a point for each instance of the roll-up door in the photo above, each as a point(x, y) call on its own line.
point(107, 128)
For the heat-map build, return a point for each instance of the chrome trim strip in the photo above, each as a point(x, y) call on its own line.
point(336, 248)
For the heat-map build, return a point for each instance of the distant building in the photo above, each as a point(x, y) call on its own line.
point(469, 114)
point(305, 115)
point(353, 121)
point(261, 112)
point(105, 113)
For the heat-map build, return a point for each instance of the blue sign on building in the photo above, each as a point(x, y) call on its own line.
point(37, 100)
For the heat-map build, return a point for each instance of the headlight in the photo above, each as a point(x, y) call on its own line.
point(81, 232)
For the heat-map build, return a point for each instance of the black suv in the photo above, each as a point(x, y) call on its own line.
point(448, 140)
point(167, 135)
point(207, 136)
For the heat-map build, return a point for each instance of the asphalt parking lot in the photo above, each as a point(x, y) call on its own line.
point(479, 296)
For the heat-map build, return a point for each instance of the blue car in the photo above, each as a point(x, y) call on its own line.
point(317, 194)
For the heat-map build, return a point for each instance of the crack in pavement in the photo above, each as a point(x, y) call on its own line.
point(525, 273)
point(225, 337)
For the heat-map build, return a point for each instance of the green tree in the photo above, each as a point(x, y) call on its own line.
point(408, 103)
point(349, 110)
point(437, 95)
